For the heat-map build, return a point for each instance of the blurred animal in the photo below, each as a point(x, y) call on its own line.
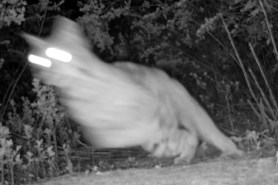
point(125, 104)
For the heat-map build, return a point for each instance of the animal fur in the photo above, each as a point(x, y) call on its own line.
point(126, 104)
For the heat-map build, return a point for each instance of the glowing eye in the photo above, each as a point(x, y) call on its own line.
point(58, 54)
point(39, 60)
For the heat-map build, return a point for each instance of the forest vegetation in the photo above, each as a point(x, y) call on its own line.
point(223, 52)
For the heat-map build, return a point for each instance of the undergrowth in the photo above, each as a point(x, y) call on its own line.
point(37, 140)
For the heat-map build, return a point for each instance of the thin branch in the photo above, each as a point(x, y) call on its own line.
point(269, 26)
point(218, 41)
point(239, 59)
point(264, 77)
point(263, 94)
point(253, 108)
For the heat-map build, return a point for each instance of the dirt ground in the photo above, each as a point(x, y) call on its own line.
point(218, 172)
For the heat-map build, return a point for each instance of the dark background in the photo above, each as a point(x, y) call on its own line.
point(187, 39)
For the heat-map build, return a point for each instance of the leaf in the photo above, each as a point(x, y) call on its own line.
point(255, 12)
point(249, 5)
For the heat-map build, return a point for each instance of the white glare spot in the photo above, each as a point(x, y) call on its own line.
point(58, 54)
point(39, 60)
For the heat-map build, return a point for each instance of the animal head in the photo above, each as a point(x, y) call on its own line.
point(61, 55)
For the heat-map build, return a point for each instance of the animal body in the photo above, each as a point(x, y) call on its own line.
point(125, 104)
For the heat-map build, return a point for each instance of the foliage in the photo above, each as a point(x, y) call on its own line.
point(177, 37)
point(38, 131)
point(12, 12)
point(210, 46)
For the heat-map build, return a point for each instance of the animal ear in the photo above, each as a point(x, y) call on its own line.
point(33, 40)
point(67, 31)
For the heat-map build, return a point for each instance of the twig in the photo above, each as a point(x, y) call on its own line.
point(239, 59)
point(269, 26)
point(264, 77)
point(262, 93)
point(253, 108)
